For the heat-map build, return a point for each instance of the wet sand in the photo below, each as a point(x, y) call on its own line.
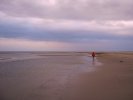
point(67, 76)
point(40, 75)
point(112, 81)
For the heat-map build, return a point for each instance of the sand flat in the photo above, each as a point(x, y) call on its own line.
point(69, 76)
point(112, 81)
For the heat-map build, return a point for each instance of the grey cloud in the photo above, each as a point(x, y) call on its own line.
point(12, 30)
point(71, 9)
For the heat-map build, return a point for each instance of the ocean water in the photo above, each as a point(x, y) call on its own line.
point(41, 75)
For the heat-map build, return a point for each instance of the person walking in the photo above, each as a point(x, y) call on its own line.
point(93, 54)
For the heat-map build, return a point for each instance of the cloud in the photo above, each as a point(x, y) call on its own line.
point(76, 24)
point(70, 9)
point(7, 44)
point(63, 31)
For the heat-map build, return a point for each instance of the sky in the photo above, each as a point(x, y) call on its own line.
point(66, 25)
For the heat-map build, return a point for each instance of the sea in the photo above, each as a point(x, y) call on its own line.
point(41, 75)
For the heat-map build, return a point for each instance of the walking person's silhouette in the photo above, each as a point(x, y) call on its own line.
point(93, 56)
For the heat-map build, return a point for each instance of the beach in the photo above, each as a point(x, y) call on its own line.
point(66, 76)
point(113, 80)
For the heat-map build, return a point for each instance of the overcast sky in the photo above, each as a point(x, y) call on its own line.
point(66, 25)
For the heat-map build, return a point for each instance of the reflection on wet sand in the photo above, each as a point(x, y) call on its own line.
point(93, 61)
